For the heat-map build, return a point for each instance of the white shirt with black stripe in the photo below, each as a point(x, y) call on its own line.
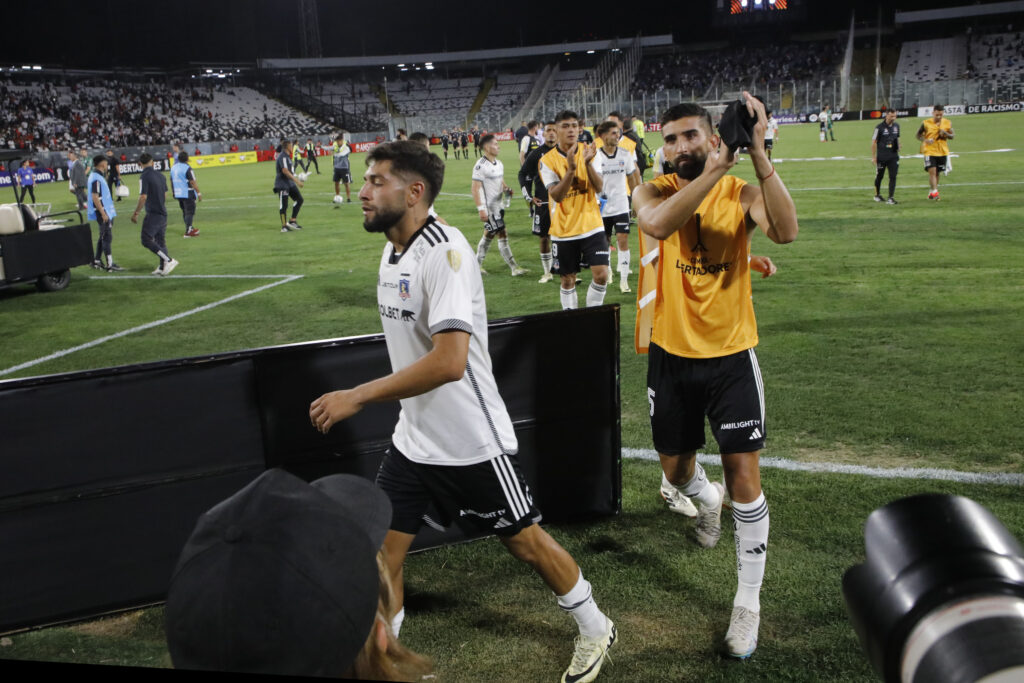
point(433, 286)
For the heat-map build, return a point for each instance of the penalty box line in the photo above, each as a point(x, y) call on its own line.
point(1005, 478)
point(156, 323)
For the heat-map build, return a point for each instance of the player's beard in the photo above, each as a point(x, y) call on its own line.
point(383, 220)
point(690, 166)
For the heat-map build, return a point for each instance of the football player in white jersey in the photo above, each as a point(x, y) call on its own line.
point(489, 192)
point(454, 445)
point(620, 173)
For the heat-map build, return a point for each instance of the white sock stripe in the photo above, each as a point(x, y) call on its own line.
point(513, 483)
point(512, 503)
point(598, 288)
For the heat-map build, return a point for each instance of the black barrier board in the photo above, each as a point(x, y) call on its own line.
point(95, 509)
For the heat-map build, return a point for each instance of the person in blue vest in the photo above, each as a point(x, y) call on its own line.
point(183, 184)
point(101, 210)
point(27, 180)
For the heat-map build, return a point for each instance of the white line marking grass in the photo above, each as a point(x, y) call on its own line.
point(1006, 478)
point(156, 323)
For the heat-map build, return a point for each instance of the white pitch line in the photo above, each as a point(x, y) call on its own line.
point(862, 188)
point(1006, 478)
point(146, 326)
point(189, 277)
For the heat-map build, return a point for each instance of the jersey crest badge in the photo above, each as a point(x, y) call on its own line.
point(454, 260)
point(403, 289)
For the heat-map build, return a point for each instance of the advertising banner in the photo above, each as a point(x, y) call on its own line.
point(950, 110)
point(132, 168)
point(43, 175)
point(226, 159)
point(363, 146)
point(994, 108)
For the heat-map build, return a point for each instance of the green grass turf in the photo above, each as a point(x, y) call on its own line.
point(891, 335)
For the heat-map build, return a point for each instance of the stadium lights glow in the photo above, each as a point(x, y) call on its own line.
point(36, 67)
point(401, 65)
point(566, 54)
point(590, 52)
point(429, 67)
point(27, 68)
point(209, 71)
point(743, 3)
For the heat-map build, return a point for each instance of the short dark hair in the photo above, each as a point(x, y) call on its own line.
point(419, 137)
point(408, 157)
point(939, 107)
point(549, 123)
point(485, 139)
point(182, 156)
point(145, 158)
point(604, 127)
point(684, 110)
point(533, 124)
point(98, 159)
point(617, 114)
point(565, 115)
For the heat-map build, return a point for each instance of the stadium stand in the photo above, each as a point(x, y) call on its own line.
point(930, 60)
point(695, 71)
point(996, 55)
point(93, 113)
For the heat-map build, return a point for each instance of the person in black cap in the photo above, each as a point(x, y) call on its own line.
point(286, 577)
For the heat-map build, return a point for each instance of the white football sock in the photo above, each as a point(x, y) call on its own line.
point(506, 252)
point(396, 621)
point(579, 602)
point(163, 257)
point(482, 247)
point(545, 261)
point(750, 522)
point(595, 294)
point(623, 264)
point(568, 297)
point(699, 489)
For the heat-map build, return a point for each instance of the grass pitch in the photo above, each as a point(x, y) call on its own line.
point(891, 336)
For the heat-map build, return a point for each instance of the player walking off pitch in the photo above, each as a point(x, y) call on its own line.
point(700, 332)
point(454, 445)
point(933, 134)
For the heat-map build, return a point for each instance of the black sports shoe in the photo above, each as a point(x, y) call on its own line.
point(292, 225)
point(114, 268)
point(890, 200)
point(878, 197)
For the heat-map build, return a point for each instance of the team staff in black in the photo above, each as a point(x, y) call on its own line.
point(885, 153)
point(287, 185)
point(311, 155)
point(152, 195)
point(537, 200)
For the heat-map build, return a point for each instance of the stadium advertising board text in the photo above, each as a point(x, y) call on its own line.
point(43, 175)
point(132, 168)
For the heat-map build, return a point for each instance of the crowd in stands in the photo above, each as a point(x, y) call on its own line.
point(97, 113)
point(696, 71)
point(995, 55)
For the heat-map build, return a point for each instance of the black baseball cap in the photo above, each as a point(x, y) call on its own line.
point(280, 578)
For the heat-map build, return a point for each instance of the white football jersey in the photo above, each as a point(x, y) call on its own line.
point(434, 286)
point(659, 161)
point(491, 175)
point(614, 169)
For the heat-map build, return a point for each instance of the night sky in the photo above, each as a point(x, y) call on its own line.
point(171, 34)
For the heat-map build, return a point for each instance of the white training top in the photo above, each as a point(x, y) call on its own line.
point(772, 129)
point(434, 286)
point(614, 169)
point(491, 174)
point(659, 161)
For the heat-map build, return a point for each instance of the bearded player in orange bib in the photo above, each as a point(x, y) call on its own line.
point(695, 316)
